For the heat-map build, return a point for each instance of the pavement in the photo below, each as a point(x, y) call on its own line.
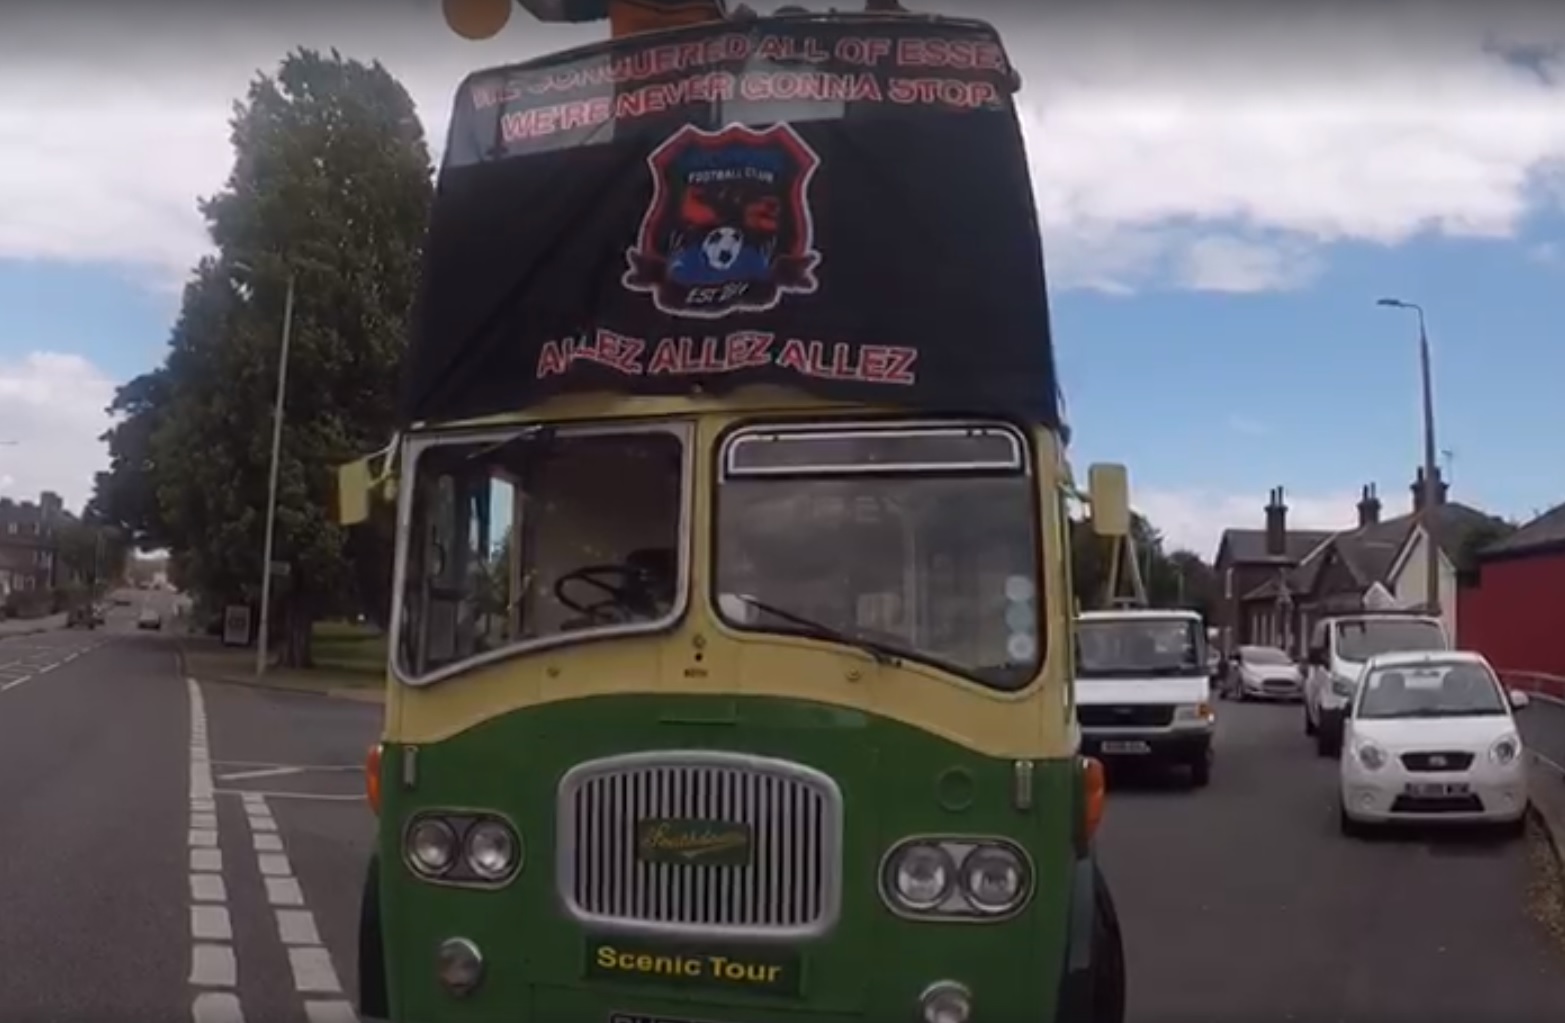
point(193, 850)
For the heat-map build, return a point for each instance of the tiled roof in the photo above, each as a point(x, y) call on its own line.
point(1545, 531)
point(1248, 546)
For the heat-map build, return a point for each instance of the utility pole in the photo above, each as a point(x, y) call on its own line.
point(1429, 515)
point(271, 487)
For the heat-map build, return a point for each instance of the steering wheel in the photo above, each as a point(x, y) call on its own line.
point(624, 587)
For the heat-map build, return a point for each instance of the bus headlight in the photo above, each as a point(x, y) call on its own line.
point(493, 850)
point(431, 847)
point(994, 879)
point(921, 876)
point(956, 877)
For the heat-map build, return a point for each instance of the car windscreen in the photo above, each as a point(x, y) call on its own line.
point(1138, 647)
point(1431, 690)
point(1264, 656)
point(1361, 639)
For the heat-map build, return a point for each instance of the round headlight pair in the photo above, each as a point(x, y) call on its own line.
point(490, 850)
point(991, 879)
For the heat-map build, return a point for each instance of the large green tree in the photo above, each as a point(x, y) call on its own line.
point(330, 189)
point(1177, 578)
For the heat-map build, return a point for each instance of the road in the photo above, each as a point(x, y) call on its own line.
point(172, 850)
point(1242, 902)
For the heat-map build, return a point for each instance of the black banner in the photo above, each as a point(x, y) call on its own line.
point(839, 204)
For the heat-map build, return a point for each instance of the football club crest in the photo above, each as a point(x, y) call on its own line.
point(729, 228)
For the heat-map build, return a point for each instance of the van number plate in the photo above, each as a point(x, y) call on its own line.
point(1125, 746)
point(1437, 789)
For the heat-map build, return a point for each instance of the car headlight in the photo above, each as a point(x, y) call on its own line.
point(1371, 756)
point(1505, 750)
point(994, 879)
point(921, 876)
point(1195, 713)
point(1341, 687)
point(492, 850)
point(431, 847)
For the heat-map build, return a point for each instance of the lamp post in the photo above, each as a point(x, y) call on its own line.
point(1428, 516)
point(263, 631)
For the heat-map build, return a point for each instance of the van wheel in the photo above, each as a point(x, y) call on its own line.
point(1201, 770)
point(374, 1000)
point(1108, 955)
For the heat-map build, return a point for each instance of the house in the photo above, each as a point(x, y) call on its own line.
point(1509, 605)
point(28, 543)
point(1379, 564)
point(1248, 559)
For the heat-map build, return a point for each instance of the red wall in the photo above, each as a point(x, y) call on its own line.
point(1515, 616)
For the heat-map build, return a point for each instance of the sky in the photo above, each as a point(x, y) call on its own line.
point(1225, 190)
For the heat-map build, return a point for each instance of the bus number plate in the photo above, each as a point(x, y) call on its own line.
point(1125, 746)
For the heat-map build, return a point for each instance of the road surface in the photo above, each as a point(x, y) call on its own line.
point(123, 895)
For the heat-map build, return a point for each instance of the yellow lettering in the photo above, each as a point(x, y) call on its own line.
point(692, 967)
point(606, 957)
point(644, 963)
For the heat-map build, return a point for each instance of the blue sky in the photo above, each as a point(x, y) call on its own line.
point(1220, 218)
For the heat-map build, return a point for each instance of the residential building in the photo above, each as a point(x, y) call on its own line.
point(1378, 565)
point(1509, 605)
point(1248, 559)
point(29, 551)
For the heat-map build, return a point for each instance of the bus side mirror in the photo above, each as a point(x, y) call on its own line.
point(353, 492)
point(1108, 494)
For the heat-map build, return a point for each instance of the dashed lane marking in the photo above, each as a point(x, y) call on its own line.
point(213, 963)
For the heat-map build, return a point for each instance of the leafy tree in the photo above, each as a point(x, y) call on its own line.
point(1177, 579)
point(330, 189)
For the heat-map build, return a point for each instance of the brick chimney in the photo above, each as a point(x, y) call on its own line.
point(1369, 507)
point(1442, 489)
point(1276, 524)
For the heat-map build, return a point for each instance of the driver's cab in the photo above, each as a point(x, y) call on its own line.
point(525, 537)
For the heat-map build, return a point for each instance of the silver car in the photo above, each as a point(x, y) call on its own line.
point(1264, 673)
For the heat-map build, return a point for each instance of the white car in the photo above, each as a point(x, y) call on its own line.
point(1264, 673)
point(1430, 738)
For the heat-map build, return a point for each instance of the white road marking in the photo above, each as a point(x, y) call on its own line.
point(330, 1012)
point(307, 796)
point(275, 865)
point(268, 843)
point(208, 888)
point(14, 683)
point(211, 923)
point(206, 860)
point(312, 768)
point(213, 966)
point(216, 1007)
point(313, 972)
point(284, 891)
point(297, 927)
point(265, 772)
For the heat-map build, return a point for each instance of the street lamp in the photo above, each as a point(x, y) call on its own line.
point(271, 487)
point(1428, 516)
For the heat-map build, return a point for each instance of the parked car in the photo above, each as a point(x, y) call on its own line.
point(1263, 673)
point(1431, 738)
point(83, 616)
point(149, 618)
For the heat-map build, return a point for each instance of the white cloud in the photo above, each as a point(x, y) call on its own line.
point(1195, 519)
point(52, 408)
point(1170, 147)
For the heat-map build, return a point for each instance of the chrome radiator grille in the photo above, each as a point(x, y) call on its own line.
point(787, 887)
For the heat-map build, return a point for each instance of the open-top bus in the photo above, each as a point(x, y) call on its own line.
point(731, 665)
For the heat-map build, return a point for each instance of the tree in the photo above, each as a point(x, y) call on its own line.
point(1177, 579)
point(330, 187)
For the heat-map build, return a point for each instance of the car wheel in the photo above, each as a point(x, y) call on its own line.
point(1349, 827)
point(1201, 771)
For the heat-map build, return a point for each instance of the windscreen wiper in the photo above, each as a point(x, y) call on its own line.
point(820, 630)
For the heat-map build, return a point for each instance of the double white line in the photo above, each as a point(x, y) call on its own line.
point(213, 964)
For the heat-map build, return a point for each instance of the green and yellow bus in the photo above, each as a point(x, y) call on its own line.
point(731, 666)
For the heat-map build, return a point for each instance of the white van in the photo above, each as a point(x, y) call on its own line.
point(1338, 648)
point(1144, 688)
